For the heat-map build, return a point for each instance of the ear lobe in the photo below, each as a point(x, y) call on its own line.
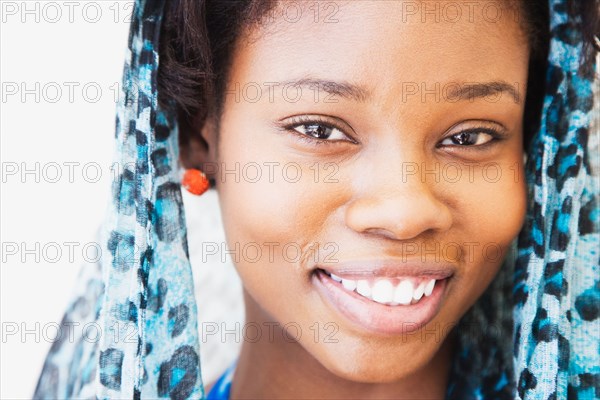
point(197, 143)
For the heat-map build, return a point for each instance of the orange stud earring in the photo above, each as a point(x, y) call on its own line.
point(195, 181)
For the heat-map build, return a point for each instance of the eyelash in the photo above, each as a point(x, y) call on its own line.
point(310, 120)
point(495, 134)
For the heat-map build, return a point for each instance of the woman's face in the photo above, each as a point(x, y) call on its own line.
point(415, 177)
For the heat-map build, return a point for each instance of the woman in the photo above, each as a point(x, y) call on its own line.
point(384, 143)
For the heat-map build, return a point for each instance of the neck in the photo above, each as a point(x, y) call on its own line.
point(276, 367)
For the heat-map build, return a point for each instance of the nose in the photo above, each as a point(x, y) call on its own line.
point(398, 208)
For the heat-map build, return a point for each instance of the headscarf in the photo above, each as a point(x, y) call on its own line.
point(132, 325)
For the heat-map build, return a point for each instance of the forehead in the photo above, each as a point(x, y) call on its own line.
point(386, 41)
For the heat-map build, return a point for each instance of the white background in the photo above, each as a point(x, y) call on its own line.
point(45, 130)
point(61, 64)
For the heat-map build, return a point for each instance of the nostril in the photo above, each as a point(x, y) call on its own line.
point(380, 232)
point(401, 215)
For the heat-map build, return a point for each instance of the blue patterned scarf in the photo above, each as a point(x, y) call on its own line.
point(134, 314)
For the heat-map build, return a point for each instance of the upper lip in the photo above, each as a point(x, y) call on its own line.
point(388, 268)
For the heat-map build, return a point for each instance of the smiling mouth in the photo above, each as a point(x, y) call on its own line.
point(389, 291)
point(383, 304)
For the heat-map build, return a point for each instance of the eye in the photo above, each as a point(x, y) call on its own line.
point(316, 129)
point(471, 138)
point(320, 131)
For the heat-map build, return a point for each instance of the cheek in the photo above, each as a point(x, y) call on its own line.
point(264, 196)
point(494, 207)
point(489, 215)
point(272, 217)
point(500, 204)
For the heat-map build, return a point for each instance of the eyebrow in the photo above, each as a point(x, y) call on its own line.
point(472, 91)
point(453, 90)
point(342, 89)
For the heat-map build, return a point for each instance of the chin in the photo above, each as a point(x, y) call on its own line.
point(367, 361)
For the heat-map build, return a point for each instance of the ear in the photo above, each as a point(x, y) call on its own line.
point(198, 143)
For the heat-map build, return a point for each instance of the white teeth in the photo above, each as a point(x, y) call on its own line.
point(419, 290)
point(363, 288)
point(349, 284)
point(429, 287)
point(383, 291)
point(403, 293)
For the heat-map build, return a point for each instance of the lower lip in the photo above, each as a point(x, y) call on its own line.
point(376, 317)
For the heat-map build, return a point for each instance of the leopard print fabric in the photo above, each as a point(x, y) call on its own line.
point(133, 316)
point(140, 302)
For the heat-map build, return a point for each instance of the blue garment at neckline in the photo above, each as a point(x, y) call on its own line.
point(222, 388)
